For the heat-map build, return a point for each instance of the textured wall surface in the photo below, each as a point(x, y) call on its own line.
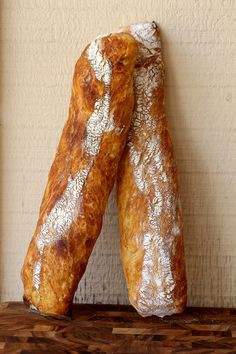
point(40, 42)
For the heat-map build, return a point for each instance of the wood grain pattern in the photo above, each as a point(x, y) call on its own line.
point(117, 329)
point(40, 41)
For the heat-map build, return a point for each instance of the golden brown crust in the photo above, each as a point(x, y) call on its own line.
point(150, 217)
point(82, 174)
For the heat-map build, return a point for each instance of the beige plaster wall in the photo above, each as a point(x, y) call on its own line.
point(40, 43)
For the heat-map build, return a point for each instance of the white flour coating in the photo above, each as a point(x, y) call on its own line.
point(34, 308)
point(145, 33)
point(100, 65)
point(36, 274)
point(147, 161)
point(60, 218)
point(101, 120)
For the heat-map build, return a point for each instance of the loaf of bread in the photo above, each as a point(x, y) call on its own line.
point(82, 174)
point(150, 218)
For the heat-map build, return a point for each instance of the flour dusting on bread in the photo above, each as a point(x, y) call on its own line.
point(101, 120)
point(60, 218)
point(62, 215)
point(148, 156)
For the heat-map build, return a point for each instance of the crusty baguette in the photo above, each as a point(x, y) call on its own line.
point(82, 174)
point(152, 247)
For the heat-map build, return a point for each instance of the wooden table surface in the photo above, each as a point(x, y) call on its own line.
point(116, 329)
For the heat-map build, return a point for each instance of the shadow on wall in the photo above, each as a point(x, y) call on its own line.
point(193, 175)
